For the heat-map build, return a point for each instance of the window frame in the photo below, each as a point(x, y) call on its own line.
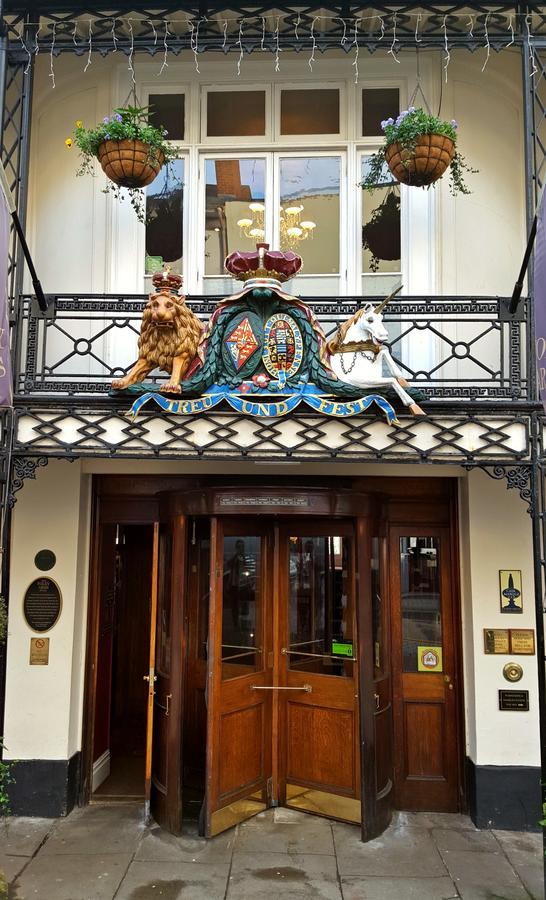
point(341, 135)
point(232, 88)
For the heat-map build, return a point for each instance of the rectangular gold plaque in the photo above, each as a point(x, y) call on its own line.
point(522, 641)
point(496, 640)
point(39, 651)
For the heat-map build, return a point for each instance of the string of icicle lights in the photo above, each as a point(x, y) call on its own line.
point(231, 33)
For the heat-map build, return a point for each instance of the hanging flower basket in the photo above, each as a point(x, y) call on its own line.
point(418, 149)
point(130, 164)
point(381, 234)
point(130, 150)
point(423, 165)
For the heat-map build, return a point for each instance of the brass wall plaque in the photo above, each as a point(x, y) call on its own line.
point(496, 640)
point(42, 604)
point(39, 651)
point(515, 701)
point(522, 641)
point(512, 671)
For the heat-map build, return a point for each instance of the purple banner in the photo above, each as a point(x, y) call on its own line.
point(6, 393)
point(540, 300)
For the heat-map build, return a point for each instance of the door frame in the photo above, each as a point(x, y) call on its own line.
point(425, 501)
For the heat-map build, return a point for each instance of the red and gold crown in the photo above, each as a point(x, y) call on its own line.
point(263, 265)
point(167, 281)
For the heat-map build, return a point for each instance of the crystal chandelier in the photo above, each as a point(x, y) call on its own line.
point(292, 229)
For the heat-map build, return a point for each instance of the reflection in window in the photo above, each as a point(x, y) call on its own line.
point(167, 111)
point(164, 219)
point(231, 186)
point(241, 606)
point(378, 611)
point(311, 111)
point(311, 185)
point(320, 605)
point(381, 241)
point(420, 597)
point(378, 104)
point(235, 113)
point(163, 652)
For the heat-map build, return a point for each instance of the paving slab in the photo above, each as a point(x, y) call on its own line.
point(378, 888)
point(451, 839)
point(12, 866)
point(283, 875)
point(524, 851)
point(311, 836)
point(21, 835)
point(71, 877)
point(160, 846)
point(113, 828)
point(408, 852)
point(174, 881)
point(483, 876)
point(432, 820)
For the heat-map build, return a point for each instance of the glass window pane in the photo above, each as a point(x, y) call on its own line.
point(309, 217)
point(320, 605)
point(378, 104)
point(164, 219)
point(167, 111)
point(381, 233)
point(420, 596)
point(203, 564)
point(163, 650)
point(241, 606)
point(310, 112)
point(232, 185)
point(235, 113)
point(378, 611)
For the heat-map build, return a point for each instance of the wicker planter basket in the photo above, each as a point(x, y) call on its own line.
point(130, 164)
point(427, 163)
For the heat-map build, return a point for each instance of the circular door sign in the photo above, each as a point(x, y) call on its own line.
point(42, 604)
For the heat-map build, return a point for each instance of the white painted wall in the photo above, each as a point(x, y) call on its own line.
point(44, 703)
point(495, 533)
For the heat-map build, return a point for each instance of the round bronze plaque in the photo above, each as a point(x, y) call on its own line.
point(42, 604)
point(512, 671)
point(45, 560)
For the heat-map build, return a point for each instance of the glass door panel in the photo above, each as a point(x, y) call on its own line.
point(321, 620)
point(235, 214)
point(308, 218)
point(319, 677)
point(239, 692)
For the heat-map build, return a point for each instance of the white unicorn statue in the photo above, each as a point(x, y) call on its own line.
point(357, 354)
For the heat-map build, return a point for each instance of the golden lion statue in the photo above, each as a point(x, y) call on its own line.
point(169, 336)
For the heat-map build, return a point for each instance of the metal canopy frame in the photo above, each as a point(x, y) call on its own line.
point(28, 27)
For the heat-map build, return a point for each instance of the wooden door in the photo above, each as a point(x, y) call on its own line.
point(319, 753)
point(240, 666)
point(164, 757)
point(426, 734)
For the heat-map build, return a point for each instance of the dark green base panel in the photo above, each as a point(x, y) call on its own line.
point(504, 797)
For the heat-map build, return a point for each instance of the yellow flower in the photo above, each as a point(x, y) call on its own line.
point(79, 123)
point(68, 142)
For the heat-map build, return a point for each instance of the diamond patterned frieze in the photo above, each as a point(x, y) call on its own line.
point(442, 438)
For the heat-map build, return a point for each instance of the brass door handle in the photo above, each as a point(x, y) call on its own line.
point(273, 687)
point(166, 707)
point(147, 678)
point(448, 681)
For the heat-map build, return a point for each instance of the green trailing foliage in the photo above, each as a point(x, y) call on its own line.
point(126, 123)
point(406, 130)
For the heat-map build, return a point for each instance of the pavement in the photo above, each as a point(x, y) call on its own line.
point(105, 852)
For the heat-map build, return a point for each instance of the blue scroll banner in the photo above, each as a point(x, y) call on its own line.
point(267, 409)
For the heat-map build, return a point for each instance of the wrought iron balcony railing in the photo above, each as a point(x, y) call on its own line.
point(453, 348)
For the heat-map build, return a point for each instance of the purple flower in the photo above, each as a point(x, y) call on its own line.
point(386, 122)
point(118, 117)
point(107, 136)
point(454, 123)
point(411, 109)
point(106, 120)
